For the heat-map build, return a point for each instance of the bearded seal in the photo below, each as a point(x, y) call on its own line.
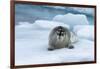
point(60, 38)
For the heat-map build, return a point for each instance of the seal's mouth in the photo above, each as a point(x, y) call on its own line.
point(59, 37)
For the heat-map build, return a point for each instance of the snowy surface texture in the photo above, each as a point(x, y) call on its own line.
point(32, 41)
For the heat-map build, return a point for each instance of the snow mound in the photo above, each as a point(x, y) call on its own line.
point(85, 31)
point(72, 19)
point(49, 24)
point(25, 25)
point(40, 24)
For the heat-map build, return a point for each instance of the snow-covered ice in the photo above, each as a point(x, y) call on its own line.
point(45, 24)
point(72, 19)
point(31, 43)
point(85, 31)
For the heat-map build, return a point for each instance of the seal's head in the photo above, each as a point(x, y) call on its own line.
point(60, 33)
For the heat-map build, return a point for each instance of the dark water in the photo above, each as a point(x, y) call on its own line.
point(30, 13)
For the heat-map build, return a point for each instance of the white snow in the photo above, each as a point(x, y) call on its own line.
point(85, 31)
point(72, 19)
point(31, 43)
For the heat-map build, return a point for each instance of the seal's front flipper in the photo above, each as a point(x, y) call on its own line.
point(50, 48)
point(71, 47)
